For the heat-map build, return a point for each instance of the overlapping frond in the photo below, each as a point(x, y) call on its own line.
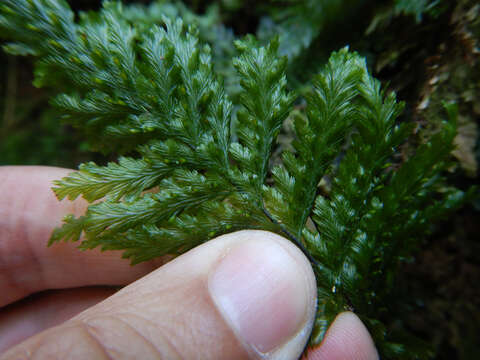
point(266, 103)
point(320, 136)
point(193, 173)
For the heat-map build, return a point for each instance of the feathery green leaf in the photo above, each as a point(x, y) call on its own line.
point(199, 165)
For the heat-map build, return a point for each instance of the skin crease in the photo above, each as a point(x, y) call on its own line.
point(81, 285)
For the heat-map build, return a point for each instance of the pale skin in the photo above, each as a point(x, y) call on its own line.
point(206, 304)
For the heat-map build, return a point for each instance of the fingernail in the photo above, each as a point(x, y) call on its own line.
point(261, 294)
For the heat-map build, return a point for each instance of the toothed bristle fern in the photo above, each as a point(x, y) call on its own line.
point(189, 174)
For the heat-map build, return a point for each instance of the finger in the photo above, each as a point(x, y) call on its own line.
point(29, 211)
point(41, 311)
point(249, 294)
point(346, 339)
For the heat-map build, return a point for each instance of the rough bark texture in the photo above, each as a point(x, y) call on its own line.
point(438, 61)
point(427, 63)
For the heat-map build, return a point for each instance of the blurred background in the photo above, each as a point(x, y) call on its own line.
point(426, 50)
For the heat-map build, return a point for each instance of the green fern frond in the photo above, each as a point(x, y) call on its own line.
point(266, 104)
point(128, 177)
point(199, 165)
point(320, 136)
point(299, 22)
point(415, 7)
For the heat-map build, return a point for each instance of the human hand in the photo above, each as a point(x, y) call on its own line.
point(249, 294)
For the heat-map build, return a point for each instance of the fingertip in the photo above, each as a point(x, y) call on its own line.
point(29, 211)
point(346, 339)
point(266, 291)
point(249, 294)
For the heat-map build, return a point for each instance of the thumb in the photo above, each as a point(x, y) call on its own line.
point(249, 294)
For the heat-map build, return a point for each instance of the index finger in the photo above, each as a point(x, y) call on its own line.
point(29, 211)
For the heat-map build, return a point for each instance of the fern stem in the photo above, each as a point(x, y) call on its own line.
point(290, 236)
